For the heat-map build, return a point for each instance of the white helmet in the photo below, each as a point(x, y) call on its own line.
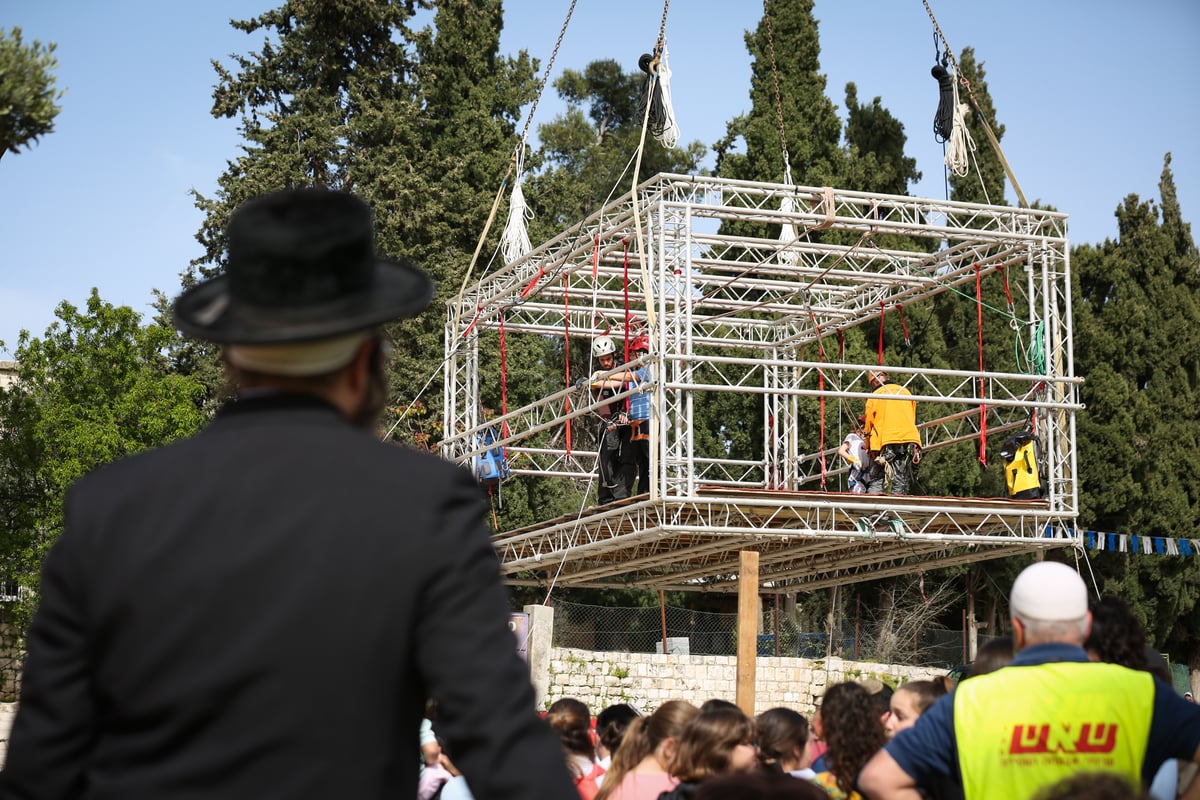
point(603, 346)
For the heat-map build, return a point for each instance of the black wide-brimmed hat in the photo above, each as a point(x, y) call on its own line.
point(302, 266)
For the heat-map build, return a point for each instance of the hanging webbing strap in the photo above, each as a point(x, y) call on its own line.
point(478, 311)
point(903, 325)
point(625, 290)
point(882, 315)
point(821, 388)
point(1007, 293)
point(979, 326)
point(567, 356)
point(529, 286)
point(503, 390)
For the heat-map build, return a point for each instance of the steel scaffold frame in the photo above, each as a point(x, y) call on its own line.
point(747, 314)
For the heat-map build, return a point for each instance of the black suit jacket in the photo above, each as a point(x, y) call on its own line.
point(260, 611)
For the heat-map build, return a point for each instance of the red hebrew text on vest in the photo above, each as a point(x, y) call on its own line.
point(1086, 738)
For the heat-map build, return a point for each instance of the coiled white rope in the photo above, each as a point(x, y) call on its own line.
point(960, 145)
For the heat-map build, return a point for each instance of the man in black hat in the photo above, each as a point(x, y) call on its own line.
point(262, 610)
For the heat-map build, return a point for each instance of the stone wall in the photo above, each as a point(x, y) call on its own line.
point(647, 680)
point(7, 712)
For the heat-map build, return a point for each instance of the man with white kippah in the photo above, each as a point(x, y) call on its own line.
point(263, 610)
point(1050, 714)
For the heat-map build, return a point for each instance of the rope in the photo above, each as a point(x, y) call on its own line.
point(943, 118)
point(517, 156)
point(987, 129)
point(788, 257)
point(960, 146)
point(514, 241)
point(637, 210)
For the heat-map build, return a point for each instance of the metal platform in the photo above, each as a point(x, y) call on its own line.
point(806, 540)
point(759, 314)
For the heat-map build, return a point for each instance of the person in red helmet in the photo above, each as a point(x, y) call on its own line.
point(614, 455)
point(633, 461)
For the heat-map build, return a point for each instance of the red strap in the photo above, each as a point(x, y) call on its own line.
point(596, 258)
point(1007, 293)
point(882, 314)
point(474, 319)
point(503, 388)
point(821, 388)
point(567, 355)
point(529, 286)
point(979, 326)
point(903, 325)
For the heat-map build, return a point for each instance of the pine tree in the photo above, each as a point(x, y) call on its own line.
point(876, 138)
point(419, 123)
point(785, 52)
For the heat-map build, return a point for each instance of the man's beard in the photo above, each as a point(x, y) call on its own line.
point(374, 400)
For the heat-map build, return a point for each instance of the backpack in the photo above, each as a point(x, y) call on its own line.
point(491, 466)
point(1021, 476)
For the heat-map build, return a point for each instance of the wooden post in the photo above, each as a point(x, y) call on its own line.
point(747, 638)
point(972, 626)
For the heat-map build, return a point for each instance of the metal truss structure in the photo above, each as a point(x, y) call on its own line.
point(755, 314)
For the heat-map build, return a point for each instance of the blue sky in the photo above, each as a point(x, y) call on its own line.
point(1092, 94)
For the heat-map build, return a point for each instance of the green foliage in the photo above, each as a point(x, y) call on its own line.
point(419, 122)
point(96, 387)
point(587, 153)
point(1138, 346)
point(28, 99)
point(877, 162)
point(784, 49)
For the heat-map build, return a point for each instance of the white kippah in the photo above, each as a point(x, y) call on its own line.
point(1048, 591)
point(297, 359)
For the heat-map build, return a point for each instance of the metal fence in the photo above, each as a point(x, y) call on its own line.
point(640, 630)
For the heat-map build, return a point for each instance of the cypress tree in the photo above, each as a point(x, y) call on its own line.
point(1138, 347)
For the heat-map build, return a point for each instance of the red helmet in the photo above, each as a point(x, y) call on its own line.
point(639, 344)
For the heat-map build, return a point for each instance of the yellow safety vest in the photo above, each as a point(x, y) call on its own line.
point(1022, 728)
point(890, 419)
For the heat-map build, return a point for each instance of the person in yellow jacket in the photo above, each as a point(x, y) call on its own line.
point(892, 437)
point(1050, 714)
